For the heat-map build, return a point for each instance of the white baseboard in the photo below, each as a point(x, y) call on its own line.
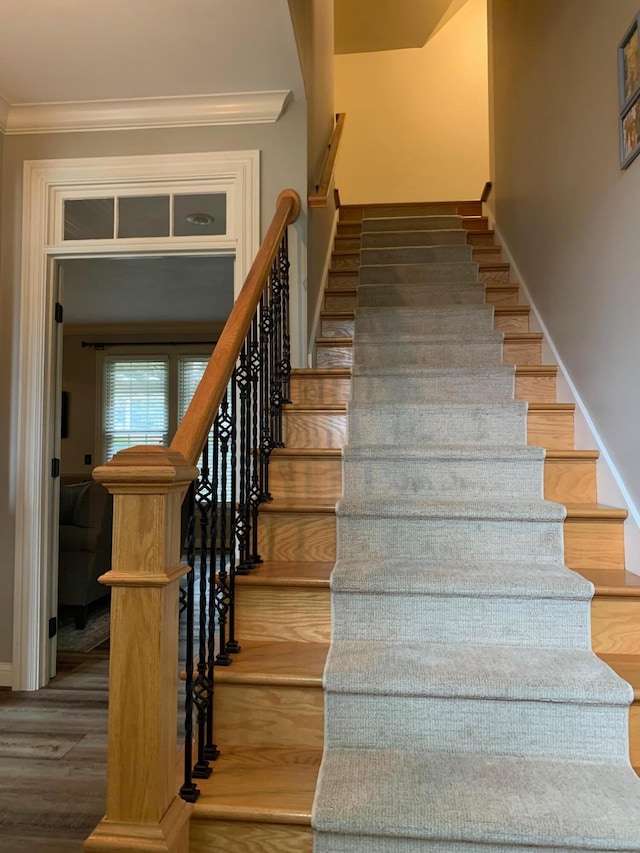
point(6, 674)
point(323, 286)
point(611, 487)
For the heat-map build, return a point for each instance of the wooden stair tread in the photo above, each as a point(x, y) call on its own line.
point(595, 512)
point(319, 372)
point(616, 583)
point(297, 505)
point(537, 370)
point(572, 455)
point(509, 337)
point(552, 407)
point(261, 784)
point(512, 309)
point(307, 452)
point(277, 663)
point(315, 407)
point(293, 573)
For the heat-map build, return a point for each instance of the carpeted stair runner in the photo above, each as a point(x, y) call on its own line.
point(465, 711)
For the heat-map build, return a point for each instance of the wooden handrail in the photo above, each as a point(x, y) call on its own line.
point(486, 191)
point(321, 196)
point(196, 424)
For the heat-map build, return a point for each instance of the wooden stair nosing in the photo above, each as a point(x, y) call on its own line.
point(509, 338)
point(292, 573)
point(276, 663)
point(250, 785)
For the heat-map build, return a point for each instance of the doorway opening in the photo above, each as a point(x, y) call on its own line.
point(136, 336)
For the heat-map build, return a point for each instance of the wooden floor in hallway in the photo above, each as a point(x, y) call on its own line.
point(53, 746)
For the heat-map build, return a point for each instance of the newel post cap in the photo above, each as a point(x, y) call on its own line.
point(144, 466)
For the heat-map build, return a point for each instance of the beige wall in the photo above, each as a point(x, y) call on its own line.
point(313, 25)
point(283, 164)
point(567, 212)
point(417, 120)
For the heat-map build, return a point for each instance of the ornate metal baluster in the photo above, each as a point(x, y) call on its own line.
point(266, 439)
point(203, 687)
point(242, 380)
point(255, 491)
point(285, 362)
point(189, 790)
point(211, 751)
point(231, 646)
point(275, 402)
point(221, 585)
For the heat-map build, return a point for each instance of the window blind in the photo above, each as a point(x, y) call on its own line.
point(190, 371)
point(136, 402)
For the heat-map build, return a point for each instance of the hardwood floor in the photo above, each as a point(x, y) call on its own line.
point(53, 758)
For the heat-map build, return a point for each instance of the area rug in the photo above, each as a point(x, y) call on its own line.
point(95, 633)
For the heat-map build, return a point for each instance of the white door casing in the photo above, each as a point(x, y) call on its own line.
point(46, 185)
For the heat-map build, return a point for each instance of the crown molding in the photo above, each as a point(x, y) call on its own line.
point(141, 113)
point(5, 106)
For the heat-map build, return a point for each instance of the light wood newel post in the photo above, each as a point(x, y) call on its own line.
point(144, 811)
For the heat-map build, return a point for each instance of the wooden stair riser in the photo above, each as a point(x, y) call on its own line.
point(525, 351)
point(494, 274)
point(345, 299)
point(264, 715)
point(509, 319)
point(615, 625)
point(481, 238)
point(346, 244)
point(355, 213)
point(353, 227)
point(297, 536)
point(534, 388)
point(341, 279)
point(312, 389)
point(570, 481)
point(634, 733)
point(305, 478)
point(512, 318)
point(242, 836)
point(551, 428)
point(343, 259)
point(283, 613)
point(309, 478)
point(306, 428)
point(593, 544)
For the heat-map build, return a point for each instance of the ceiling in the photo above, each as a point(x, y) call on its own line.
point(74, 50)
point(362, 26)
point(174, 289)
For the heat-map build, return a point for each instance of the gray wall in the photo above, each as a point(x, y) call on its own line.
point(313, 26)
point(283, 164)
point(568, 214)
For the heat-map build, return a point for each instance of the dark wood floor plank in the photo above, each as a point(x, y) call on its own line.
point(50, 805)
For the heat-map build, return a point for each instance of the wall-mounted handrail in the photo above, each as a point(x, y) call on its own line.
point(194, 428)
point(486, 192)
point(320, 198)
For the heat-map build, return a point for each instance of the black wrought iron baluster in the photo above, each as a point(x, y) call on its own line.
point(275, 402)
point(255, 490)
point(203, 686)
point(232, 646)
point(266, 439)
point(211, 751)
point(285, 361)
point(221, 583)
point(243, 385)
point(189, 790)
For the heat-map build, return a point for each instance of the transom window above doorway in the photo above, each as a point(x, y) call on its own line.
point(145, 216)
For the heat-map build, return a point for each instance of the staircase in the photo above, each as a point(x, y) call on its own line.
point(269, 704)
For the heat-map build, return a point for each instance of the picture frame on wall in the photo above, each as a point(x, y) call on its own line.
point(629, 93)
